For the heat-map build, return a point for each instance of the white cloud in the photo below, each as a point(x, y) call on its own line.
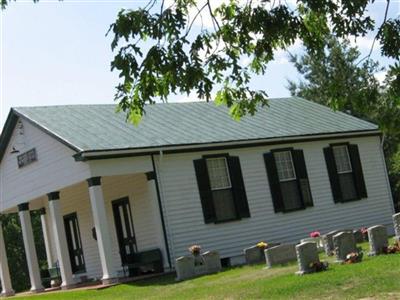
point(364, 43)
point(380, 76)
point(281, 56)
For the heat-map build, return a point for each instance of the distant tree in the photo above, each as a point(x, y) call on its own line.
point(16, 251)
point(335, 78)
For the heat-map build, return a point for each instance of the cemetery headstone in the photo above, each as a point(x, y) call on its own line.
point(396, 224)
point(281, 254)
point(212, 261)
point(184, 267)
point(307, 254)
point(378, 239)
point(344, 243)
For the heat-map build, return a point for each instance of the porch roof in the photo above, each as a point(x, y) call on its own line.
point(87, 128)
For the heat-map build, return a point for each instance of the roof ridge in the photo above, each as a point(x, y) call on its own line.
point(157, 103)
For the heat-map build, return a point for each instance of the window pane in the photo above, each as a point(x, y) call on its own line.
point(218, 173)
point(305, 191)
point(284, 165)
point(224, 205)
point(342, 159)
point(347, 186)
point(290, 195)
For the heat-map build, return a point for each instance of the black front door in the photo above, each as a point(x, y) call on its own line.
point(125, 231)
point(74, 243)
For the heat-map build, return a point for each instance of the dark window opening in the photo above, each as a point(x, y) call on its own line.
point(74, 242)
point(345, 172)
point(222, 193)
point(288, 180)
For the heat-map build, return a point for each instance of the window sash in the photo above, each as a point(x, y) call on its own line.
point(285, 166)
point(342, 159)
point(218, 173)
point(224, 205)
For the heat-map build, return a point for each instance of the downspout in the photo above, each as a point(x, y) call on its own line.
point(161, 211)
point(386, 173)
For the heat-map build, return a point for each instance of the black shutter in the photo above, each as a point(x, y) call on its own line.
point(357, 171)
point(203, 183)
point(238, 189)
point(302, 177)
point(333, 175)
point(273, 180)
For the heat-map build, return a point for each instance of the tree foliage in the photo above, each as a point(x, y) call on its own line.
point(336, 78)
point(16, 251)
point(181, 60)
point(213, 58)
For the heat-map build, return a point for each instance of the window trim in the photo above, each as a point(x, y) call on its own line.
point(227, 172)
point(292, 164)
point(223, 155)
point(347, 144)
point(348, 158)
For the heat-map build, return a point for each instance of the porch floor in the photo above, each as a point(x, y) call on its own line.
point(97, 285)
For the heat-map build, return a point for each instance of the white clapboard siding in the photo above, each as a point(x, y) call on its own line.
point(184, 217)
point(147, 231)
point(54, 169)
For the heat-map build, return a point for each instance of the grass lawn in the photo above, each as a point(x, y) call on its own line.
point(374, 278)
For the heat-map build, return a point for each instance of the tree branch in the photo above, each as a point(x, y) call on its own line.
point(376, 36)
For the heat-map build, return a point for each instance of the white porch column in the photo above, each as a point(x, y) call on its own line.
point(60, 241)
point(46, 237)
point(104, 241)
point(30, 250)
point(154, 195)
point(7, 289)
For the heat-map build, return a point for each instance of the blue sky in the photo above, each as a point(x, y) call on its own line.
point(57, 53)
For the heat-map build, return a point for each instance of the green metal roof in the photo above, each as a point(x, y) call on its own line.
point(99, 127)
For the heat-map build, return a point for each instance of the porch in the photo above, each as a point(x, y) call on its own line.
point(101, 229)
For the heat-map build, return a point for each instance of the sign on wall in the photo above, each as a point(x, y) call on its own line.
point(27, 158)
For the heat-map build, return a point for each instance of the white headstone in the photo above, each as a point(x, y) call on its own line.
point(344, 243)
point(307, 254)
point(212, 261)
point(396, 224)
point(328, 242)
point(281, 254)
point(378, 239)
point(184, 267)
point(318, 240)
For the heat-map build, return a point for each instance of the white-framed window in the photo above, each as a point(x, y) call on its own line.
point(344, 171)
point(288, 180)
point(221, 188)
point(342, 159)
point(218, 173)
point(284, 165)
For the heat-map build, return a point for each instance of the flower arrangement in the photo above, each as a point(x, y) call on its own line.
point(353, 257)
point(195, 250)
point(395, 248)
point(364, 231)
point(319, 266)
point(262, 245)
point(315, 234)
